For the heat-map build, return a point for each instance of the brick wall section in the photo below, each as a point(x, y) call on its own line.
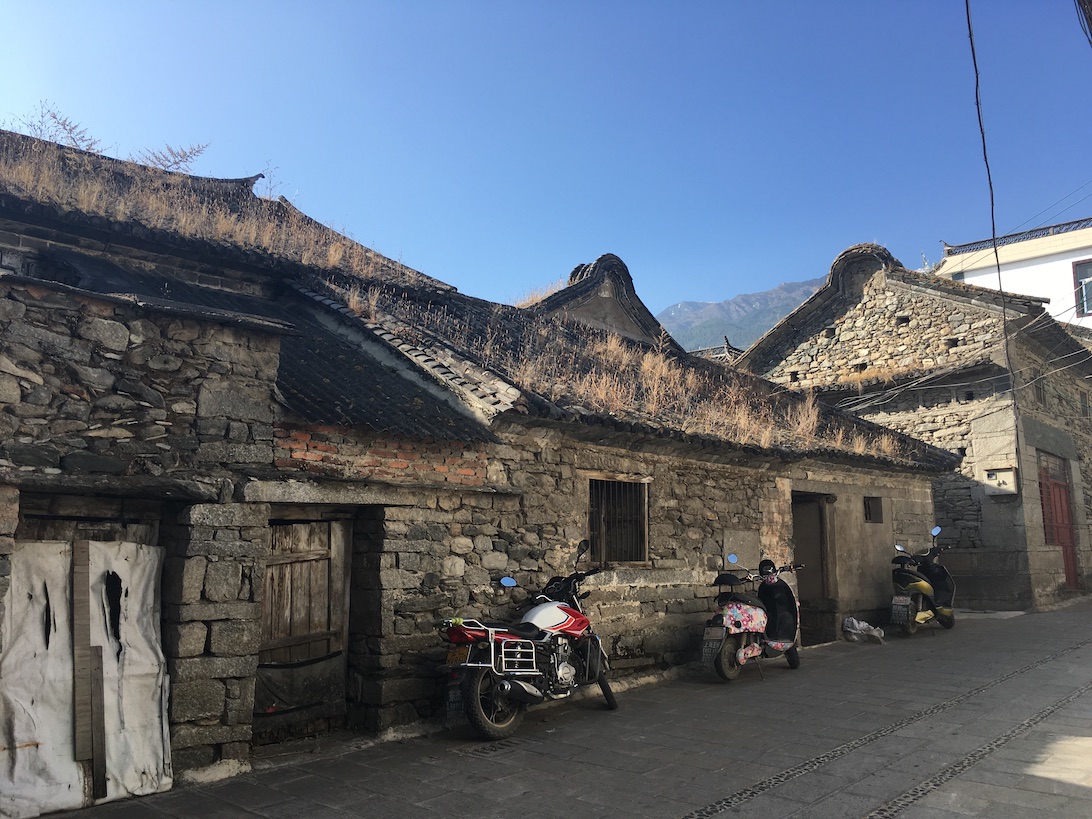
point(334, 451)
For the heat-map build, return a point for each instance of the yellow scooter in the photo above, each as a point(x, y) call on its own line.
point(923, 588)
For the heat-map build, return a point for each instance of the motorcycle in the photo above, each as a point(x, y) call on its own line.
point(747, 626)
point(502, 668)
point(923, 588)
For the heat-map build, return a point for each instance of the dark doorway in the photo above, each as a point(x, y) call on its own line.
point(811, 536)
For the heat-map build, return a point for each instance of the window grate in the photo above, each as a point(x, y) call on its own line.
point(618, 520)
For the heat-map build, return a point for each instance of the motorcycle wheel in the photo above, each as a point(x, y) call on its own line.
point(792, 655)
point(725, 663)
point(911, 624)
point(946, 620)
point(608, 695)
point(492, 715)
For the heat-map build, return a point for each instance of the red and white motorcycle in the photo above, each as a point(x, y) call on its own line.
point(502, 668)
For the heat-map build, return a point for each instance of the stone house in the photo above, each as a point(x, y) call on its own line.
point(989, 376)
point(247, 464)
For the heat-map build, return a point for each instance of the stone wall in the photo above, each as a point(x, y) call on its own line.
point(102, 396)
point(442, 555)
point(90, 387)
point(212, 596)
point(877, 332)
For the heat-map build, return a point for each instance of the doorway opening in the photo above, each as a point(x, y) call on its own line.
point(812, 536)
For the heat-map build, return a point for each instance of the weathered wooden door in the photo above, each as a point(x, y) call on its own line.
point(304, 608)
point(809, 534)
point(300, 683)
point(1054, 492)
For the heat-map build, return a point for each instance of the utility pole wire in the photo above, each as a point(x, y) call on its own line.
point(993, 233)
point(1084, 14)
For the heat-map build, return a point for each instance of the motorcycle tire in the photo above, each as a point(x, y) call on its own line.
point(608, 695)
point(911, 624)
point(491, 715)
point(792, 656)
point(946, 620)
point(725, 663)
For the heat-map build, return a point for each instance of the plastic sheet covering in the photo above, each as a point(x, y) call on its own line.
point(37, 739)
point(293, 686)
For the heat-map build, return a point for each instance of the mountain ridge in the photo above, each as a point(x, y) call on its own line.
point(743, 318)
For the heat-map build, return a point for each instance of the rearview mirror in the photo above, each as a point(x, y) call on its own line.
point(733, 558)
point(508, 582)
point(899, 548)
point(935, 531)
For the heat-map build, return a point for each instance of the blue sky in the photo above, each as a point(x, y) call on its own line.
point(717, 147)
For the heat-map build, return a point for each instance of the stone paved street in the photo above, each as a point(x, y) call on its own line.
point(991, 719)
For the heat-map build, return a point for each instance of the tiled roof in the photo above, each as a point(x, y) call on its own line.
point(323, 378)
point(431, 361)
point(1013, 238)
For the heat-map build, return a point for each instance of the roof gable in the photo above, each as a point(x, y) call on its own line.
point(601, 295)
point(874, 319)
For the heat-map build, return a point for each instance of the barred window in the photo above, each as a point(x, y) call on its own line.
point(618, 520)
point(873, 510)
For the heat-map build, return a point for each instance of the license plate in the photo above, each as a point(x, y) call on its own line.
point(457, 655)
point(709, 650)
point(900, 610)
point(714, 633)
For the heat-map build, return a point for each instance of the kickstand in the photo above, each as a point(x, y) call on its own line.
point(758, 662)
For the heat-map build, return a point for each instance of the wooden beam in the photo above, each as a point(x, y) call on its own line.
point(98, 726)
point(81, 650)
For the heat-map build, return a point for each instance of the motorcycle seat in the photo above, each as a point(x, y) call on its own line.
point(528, 631)
point(724, 598)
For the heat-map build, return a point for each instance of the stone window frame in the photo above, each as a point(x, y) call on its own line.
point(1082, 287)
point(628, 496)
point(1038, 386)
point(873, 509)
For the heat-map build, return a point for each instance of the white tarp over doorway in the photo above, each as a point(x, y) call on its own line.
point(38, 771)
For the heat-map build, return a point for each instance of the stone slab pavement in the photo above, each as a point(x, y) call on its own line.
point(992, 719)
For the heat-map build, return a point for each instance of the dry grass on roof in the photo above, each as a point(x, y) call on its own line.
point(576, 367)
point(86, 184)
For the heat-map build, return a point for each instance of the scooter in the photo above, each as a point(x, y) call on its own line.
point(499, 669)
point(923, 588)
point(747, 626)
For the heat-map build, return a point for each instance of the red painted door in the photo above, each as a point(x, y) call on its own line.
point(1058, 522)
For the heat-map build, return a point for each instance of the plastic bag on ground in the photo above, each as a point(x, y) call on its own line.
point(858, 631)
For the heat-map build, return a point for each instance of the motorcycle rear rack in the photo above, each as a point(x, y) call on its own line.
point(515, 656)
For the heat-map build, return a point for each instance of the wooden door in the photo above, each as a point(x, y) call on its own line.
point(304, 607)
point(1058, 520)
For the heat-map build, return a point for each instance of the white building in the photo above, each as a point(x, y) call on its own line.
point(1053, 262)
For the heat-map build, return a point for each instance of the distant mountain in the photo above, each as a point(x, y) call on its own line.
point(698, 324)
